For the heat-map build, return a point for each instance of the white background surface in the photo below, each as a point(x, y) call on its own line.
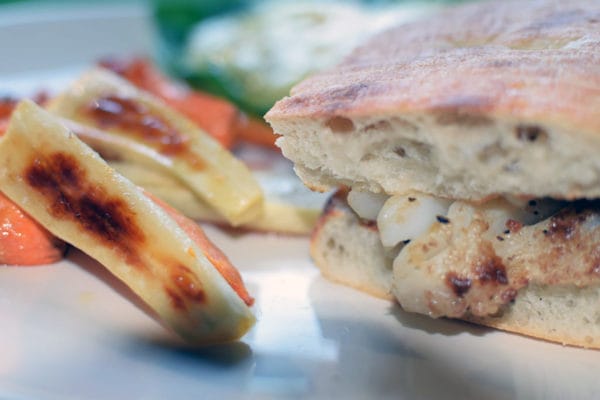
point(69, 330)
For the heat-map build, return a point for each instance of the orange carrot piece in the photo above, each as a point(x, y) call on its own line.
point(216, 116)
point(212, 252)
point(3, 126)
point(23, 241)
point(7, 106)
point(254, 130)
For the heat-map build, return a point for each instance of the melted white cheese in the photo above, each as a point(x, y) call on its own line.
point(366, 204)
point(407, 216)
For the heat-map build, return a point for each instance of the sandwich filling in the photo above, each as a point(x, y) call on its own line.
point(461, 259)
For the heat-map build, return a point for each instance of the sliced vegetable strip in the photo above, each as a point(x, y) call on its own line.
point(23, 241)
point(212, 252)
point(278, 215)
point(105, 101)
point(72, 192)
point(149, 169)
point(218, 117)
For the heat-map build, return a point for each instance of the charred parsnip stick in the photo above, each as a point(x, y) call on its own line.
point(278, 214)
point(149, 169)
point(72, 192)
point(105, 101)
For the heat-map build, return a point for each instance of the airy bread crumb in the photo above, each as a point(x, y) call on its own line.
point(458, 160)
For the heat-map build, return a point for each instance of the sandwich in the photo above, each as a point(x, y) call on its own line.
point(464, 148)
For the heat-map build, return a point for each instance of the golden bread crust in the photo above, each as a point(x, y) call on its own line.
point(532, 61)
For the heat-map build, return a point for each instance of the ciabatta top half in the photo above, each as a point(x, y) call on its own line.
point(480, 100)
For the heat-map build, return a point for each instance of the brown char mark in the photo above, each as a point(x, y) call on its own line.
point(188, 284)
point(508, 295)
point(64, 172)
point(62, 181)
point(137, 120)
point(565, 225)
point(459, 285)
point(176, 300)
point(491, 270)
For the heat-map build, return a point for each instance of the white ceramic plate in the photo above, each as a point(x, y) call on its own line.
point(68, 331)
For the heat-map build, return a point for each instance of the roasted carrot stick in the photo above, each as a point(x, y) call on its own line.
point(212, 252)
point(254, 130)
point(7, 105)
point(3, 126)
point(23, 241)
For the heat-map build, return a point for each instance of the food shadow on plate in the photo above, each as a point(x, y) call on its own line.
point(216, 371)
point(394, 359)
point(440, 326)
point(420, 322)
point(220, 356)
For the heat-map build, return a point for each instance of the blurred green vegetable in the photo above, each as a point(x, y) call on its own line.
point(252, 52)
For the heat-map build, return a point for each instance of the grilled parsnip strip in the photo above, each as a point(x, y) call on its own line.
point(70, 190)
point(104, 100)
point(149, 169)
point(278, 214)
